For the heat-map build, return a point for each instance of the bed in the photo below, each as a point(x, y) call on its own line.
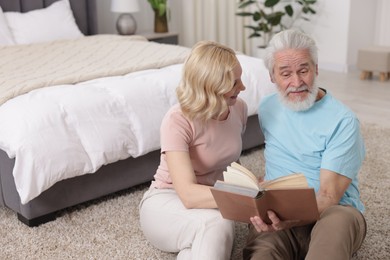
point(62, 140)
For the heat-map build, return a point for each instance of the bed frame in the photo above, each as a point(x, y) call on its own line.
point(108, 179)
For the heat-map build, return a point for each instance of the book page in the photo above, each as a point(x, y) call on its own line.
point(228, 187)
point(296, 180)
point(244, 170)
point(236, 176)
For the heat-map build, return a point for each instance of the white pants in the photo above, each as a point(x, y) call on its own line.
point(196, 234)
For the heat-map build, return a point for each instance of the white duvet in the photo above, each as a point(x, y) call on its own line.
point(65, 131)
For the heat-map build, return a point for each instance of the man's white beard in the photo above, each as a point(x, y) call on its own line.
point(300, 105)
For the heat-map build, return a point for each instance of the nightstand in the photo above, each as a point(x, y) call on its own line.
point(168, 37)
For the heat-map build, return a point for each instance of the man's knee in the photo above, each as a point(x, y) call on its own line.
point(338, 225)
point(340, 217)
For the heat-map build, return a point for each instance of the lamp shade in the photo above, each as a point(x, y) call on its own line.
point(124, 6)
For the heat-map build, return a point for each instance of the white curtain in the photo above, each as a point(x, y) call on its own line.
point(383, 23)
point(214, 20)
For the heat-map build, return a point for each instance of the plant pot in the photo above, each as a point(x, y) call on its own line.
point(160, 22)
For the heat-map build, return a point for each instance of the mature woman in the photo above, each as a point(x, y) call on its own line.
point(200, 137)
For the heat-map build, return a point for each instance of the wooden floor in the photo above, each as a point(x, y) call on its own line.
point(369, 99)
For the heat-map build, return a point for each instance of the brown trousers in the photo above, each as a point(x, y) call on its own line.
point(338, 234)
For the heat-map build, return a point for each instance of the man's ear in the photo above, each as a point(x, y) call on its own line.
point(271, 78)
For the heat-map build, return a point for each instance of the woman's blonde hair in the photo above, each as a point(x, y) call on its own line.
point(207, 76)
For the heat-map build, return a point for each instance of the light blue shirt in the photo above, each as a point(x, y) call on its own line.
point(326, 136)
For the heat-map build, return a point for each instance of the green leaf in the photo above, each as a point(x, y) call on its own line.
point(159, 5)
point(255, 28)
point(275, 18)
point(264, 27)
point(162, 8)
point(289, 10)
point(244, 14)
point(257, 16)
point(271, 3)
point(255, 35)
point(312, 10)
point(155, 3)
point(244, 4)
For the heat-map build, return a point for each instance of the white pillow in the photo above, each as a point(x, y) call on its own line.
point(55, 22)
point(5, 34)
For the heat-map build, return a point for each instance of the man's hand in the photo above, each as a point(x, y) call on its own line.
point(276, 225)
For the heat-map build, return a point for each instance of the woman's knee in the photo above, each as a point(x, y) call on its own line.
point(221, 228)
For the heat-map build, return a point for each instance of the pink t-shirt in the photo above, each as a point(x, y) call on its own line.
point(212, 147)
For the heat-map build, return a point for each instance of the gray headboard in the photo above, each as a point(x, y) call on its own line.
point(84, 11)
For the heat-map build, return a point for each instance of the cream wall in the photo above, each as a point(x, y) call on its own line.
point(330, 30)
point(340, 28)
point(383, 24)
point(362, 28)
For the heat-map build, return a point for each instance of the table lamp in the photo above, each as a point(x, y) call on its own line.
point(126, 24)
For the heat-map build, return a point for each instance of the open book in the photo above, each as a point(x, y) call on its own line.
point(240, 196)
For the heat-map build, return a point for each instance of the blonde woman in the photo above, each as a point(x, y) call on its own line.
point(200, 137)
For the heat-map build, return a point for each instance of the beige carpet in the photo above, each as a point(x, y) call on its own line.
point(108, 228)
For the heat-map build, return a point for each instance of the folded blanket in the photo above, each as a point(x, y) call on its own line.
point(27, 67)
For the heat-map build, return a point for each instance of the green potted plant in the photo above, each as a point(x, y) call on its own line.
point(160, 9)
point(269, 15)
